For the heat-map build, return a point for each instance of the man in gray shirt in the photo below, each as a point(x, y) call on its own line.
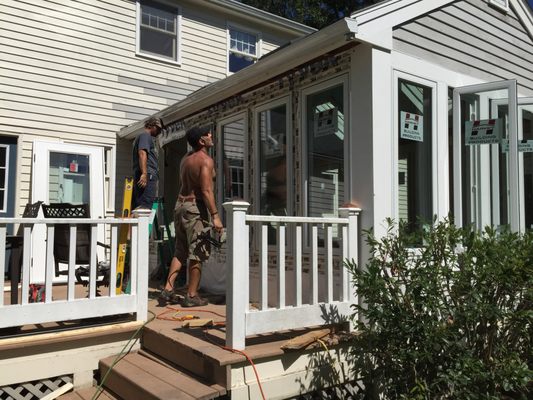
point(145, 165)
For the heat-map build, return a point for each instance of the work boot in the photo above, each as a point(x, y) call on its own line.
point(195, 301)
point(168, 296)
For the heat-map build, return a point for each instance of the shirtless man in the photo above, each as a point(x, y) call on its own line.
point(194, 215)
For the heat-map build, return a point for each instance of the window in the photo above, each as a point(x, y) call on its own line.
point(273, 158)
point(325, 151)
point(415, 131)
point(158, 30)
point(272, 128)
point(233, 144)
point(4, 175)
point(243, 49)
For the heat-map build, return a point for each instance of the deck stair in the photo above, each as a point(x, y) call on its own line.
point(145, 377)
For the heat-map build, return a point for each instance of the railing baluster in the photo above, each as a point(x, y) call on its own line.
point(113, 269)
point(26, 262)
point(344, 270)
point(73, 233)
point(263, 265)
point(328, 238)
point(134, 260)
point(298, 266)
point(281, 266)
point(314, 264)
point(50, 265)
point(3, 229)
point(92, 265)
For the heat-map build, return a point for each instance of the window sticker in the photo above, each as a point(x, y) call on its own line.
point(412, 126)
point(524, 146)
point(486, 131)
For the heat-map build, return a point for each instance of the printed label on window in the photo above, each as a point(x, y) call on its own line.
point(485, 131)
point(524, 146)
point(412, 126)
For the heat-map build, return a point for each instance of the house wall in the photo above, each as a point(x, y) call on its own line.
point(456, 37)
point(69, 72)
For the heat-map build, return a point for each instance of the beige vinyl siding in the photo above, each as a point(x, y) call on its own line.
point(471, 37)
point(68, 71)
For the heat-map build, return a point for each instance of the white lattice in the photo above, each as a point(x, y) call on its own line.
point(33, 390)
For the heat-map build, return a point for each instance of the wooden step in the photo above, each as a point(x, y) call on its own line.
point(191, 353)
point(88, 394)
point(139, 377)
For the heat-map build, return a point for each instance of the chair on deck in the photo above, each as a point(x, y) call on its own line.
point(83, 243)
point(14, 243)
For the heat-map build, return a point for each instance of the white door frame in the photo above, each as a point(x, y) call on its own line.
point(514, 204)
point(40, 181)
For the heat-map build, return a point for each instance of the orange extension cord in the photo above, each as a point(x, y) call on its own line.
point(161, 316)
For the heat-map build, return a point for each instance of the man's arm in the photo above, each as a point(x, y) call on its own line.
point(143, 160)
point(206, 187)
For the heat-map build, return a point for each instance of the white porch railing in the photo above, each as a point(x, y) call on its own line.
point(72, 308)
point(241, 321)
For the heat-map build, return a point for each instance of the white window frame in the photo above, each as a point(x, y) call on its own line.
point(6, 178)
point(110, 155)
point(304, 93)
point(138, 51)
point(397, 75)
point(502, 5)
point(249, 31)
point(220, 167)
point(286, 101)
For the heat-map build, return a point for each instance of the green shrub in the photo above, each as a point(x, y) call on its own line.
point(449, 320)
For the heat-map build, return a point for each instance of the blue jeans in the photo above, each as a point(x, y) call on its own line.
point(144, 197)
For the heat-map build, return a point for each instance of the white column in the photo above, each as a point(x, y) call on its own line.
point(237, 280)
point(142, 268)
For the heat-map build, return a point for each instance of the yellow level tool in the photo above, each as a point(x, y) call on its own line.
point(124, 231)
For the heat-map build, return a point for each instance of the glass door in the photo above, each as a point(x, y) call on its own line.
point(486, 184)
point(65, 173)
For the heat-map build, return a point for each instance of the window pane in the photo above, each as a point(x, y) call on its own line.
point(3, 178)
point(233, 160)
point(527, 137)
point(2, 199)
point(3, 156)
point(242, 42)
point(415, 193)
point(157, 18)
point(273, 161)
point(238, 62)
point(325, 138)
point(68, 178)
point(158, 43)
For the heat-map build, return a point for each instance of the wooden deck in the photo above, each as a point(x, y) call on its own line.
point(175, 361)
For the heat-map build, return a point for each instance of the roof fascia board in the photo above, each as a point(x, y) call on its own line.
point(395, 12)
point(524, 13)
point(255, 13)
point(286, 58)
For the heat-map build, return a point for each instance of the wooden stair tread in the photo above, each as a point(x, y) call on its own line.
point(138, 377)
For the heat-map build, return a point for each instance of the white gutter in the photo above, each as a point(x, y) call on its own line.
point(272, 65)
point(283, 23)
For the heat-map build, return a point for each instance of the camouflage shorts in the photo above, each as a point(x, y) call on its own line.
point(192, 223)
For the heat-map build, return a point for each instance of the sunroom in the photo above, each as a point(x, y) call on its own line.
point(401, 111)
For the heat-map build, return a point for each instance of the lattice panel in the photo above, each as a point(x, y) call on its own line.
point(33, 390)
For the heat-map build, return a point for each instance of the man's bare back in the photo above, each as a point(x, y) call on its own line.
point(197, 170)
point(191, 168)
